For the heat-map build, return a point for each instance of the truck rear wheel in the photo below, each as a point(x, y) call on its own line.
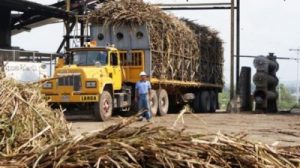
point(174, 107)
point(196, 103)
point(153, 103)
point(103, 109)
point(205, 101)
point(163, 102)
point(213, 101)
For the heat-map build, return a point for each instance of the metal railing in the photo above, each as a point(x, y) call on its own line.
point(27, 56)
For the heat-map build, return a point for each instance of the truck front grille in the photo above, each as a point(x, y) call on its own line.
point(74, 80)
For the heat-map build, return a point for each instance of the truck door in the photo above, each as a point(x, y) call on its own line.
point(116, 70)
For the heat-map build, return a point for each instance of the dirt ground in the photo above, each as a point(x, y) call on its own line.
point(283, 129)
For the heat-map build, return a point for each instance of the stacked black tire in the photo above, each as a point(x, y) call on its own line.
point(265, 80)
point(245, 89)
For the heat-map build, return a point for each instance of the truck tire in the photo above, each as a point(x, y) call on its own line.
point(213, 101)
point(205, 102)
point(103, 109)
point(196, 103)
point(163, 102)
point(174, 107)
point(153, 103)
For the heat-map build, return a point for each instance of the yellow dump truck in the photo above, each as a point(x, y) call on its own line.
point(102, 79)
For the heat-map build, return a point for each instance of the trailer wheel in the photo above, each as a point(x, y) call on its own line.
point(205, 102)
point(196, 103)
point(103, 109)
point(153, 103)
point(163, 102)
point(174, 107)
point(213, 101)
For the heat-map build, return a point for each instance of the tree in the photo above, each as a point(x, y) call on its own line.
point(286, 100)
point(224, 98)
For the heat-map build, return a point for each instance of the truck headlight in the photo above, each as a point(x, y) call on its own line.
point(47, 85)
point(91, 84)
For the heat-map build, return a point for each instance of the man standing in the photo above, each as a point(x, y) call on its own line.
point(142, 95)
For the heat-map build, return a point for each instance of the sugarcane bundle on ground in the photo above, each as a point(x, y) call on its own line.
point(27, 124)
point(148, 146)
point(174, 48)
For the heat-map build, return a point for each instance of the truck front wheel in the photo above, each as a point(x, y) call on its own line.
point(103, 109)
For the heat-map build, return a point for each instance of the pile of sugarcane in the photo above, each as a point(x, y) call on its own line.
point(181, 50)
point(27, 124)
point(148, 146)
point(33, 135)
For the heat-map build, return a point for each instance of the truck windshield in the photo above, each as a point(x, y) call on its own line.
point(90, 58)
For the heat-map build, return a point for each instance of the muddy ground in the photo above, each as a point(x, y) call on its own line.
point(283, 129)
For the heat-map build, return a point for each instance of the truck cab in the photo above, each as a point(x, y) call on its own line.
point(91, 77)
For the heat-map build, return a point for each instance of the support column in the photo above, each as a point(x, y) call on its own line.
point(5, 32)
point(237, 47)
point(82, 34)
point(232, 51)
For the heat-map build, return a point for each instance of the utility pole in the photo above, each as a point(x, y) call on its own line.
point(297, 50)
point(237, 47)
point(232, 52)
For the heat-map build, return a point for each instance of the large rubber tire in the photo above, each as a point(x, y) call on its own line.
point(213, 102)
point(196, 103)
point(163, 102)
point(174, 107)
point(104, 108)
point(205, 102)
point(153, 103)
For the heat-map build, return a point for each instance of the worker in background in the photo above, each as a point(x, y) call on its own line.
point(142, 96)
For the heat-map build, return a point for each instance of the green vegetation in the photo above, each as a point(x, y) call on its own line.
point(286, 100)
point(224, 99)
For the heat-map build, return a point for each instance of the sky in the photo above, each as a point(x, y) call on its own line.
point(266, 26)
